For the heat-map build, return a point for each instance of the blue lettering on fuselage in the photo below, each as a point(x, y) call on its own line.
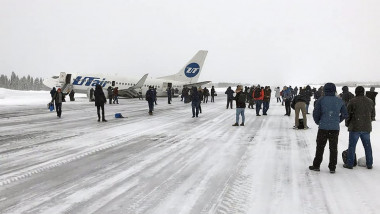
point(89, 81)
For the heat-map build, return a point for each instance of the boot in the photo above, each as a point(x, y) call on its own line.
point(314, 168)
point(242, 124)
point(236, 124)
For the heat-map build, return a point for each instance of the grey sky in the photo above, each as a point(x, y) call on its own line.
point(265, 41)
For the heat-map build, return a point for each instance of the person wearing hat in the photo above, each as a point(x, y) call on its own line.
point(58, 98)
point(361, 113)
point(329, 112)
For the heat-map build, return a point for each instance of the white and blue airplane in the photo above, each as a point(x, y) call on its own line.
point(128, 86)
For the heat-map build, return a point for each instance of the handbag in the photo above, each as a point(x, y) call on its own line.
point(51, 106)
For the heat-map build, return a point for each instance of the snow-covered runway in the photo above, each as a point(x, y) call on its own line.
point(170, 162)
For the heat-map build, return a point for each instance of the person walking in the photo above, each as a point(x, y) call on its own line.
point(116, 95)
point(361, 113)
point(58, 98)
point(258, 96)
point(212, 94)
point(287, 98)
point(100, 100)
point(277, 94)
point(52, 92)
point(195, 101)
point(110, 94)
point(240, 105)
point(329, 111)
point(230, 96)
point(150, 96)
point(299, 103)
point(266, 100)
point(206, 93)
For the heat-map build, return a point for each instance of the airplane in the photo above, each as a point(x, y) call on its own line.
point(128, 86)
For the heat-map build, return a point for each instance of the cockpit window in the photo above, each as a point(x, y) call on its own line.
point(55, 77)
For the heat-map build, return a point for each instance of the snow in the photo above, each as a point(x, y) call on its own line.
point(170, 162)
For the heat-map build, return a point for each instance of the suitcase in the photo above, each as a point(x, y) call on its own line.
point(300, 124)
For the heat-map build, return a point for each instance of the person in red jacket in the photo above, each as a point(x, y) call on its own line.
point(258, 96)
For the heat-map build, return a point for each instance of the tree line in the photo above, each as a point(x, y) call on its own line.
point(23, 83)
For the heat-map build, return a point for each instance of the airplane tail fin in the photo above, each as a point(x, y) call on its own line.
point(191, 71)
point(141, 82)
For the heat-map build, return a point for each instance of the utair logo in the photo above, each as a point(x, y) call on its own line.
point(89, 81)
point(192, 70)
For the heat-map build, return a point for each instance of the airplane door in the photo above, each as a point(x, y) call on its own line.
point(113, 83)
point(170, 84)
point(68, 79)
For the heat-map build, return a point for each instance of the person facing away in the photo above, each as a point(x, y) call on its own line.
point(169, 94)
point(150, 96)
point(371, 94)
point(346, 95)
point(206, 93)
point(212, 94)
point(58, 98)
point(287, 98)
point(258, 96)
point(299, 103)
point(116, 95)
point(277, 94)
point(329, 111)
point(110, 94)
point(266, 100)
point(100, 100)
point(52, 92)
point(230, 96)
point(200, 93)
point(240, 105)
point(195, 101)
point(361, 113)
point(71, 95)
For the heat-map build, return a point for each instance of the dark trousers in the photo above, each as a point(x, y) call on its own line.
point(195, 108)
point(98, 111)
point(151, 105)
point(58, 108)
point(287, 107)
point(322, 137)
point(278, 99)
point(169, 99)
point(258, 106)
point(205, 99)
point(110, 99)
point(265, 107)
point(229, 101)
point(212, 99)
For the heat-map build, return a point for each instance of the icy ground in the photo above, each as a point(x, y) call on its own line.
point(170, 163)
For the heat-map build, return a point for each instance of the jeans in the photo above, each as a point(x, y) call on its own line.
point(151, 105)
point(195, 108)
point(322, 137)
point(287, 106)
point(353, 140)
point(258, 106)
point(265, 107)
point(240, 111)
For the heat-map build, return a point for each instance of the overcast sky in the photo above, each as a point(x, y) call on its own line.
point(253, 41)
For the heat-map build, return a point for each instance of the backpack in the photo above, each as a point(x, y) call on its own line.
point(242, 97)
point(344, 157)
point(257, 93)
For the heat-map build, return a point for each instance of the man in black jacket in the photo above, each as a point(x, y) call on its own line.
point(100, 100)
point(240, 105)
point(361, 113)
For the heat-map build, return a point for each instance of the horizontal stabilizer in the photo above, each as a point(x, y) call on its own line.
point(197, 84)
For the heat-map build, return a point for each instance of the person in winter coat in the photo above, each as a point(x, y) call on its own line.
point(92, 95)
point(287, 98)
point(361, 113)
point(195, 101)
point(371, 94)
point(230, 96)
point(308, 94)
point(266, 100)
point(258, 96)
point(100, 100)
point(58, 98)
point(212, 94)
point(200, 93)
point(240, 105)
point(295, 91)
point(329, 111)
point(52, 92)
point(169, 94)
point(299, 104)
point(71, 95)
point(110, 94)
point(150, 96)
point(206, 93)
point(155, 95)
point(116, 95)
point(277, 94)
point(346, 95)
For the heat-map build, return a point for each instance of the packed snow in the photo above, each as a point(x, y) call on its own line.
point(170, 162)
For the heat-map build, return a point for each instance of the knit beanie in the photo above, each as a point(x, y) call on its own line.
point(359, 91)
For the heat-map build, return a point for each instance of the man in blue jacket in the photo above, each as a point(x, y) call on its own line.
point(328, 112)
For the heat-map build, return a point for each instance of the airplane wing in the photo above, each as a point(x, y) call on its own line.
point(131, 91)
point(196, 84)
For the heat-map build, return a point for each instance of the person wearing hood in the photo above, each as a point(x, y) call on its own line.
point(195, 101)
point(240, 105)
point(361, 113)
point(346, 95)
point(52, 92)
point(150, 96)
point(329, 111)
point(287, 98)
point(100, 100)
point(230, 96)
point(371, 94)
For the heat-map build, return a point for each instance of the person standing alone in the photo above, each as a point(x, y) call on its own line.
point(240, 105)
point(58, 98)
point(100, 100)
